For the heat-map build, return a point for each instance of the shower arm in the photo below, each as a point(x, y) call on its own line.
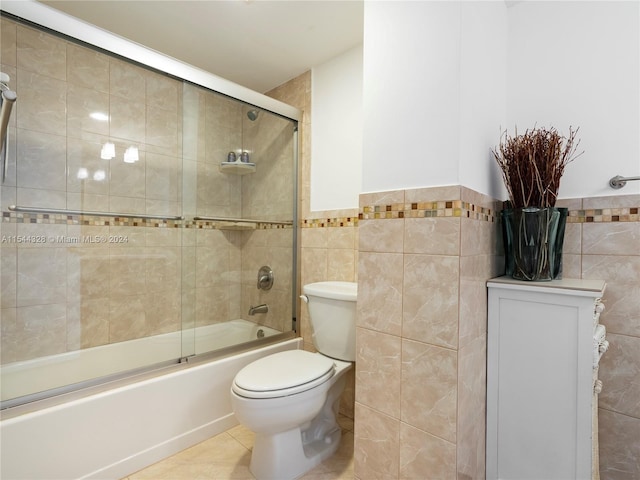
point(8, 98)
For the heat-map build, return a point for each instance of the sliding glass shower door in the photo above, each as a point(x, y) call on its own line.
point(240, 175)
point(129, 239)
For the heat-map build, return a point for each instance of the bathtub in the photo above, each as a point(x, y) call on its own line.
point(53, 371)
point(116, 431)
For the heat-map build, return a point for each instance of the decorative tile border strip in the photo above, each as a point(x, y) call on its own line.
point(330, 222)
point(100, 221)
point(440, 209)
point(216, 225)
point(604, 215)
point(87, 220)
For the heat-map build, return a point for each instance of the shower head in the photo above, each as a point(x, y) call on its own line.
point(253, 115)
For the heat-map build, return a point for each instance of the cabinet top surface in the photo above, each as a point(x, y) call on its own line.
point(566, 285)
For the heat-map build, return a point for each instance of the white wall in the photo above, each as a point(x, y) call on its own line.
point(435, 82)
point(411, 94)
point(576, 64)
point(483, 83)
point(443, 79)
point(336, 141)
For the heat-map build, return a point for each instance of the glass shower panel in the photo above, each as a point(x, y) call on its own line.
point(239, 195)
point(91, 244)
point(268, 197)
point(128, 239)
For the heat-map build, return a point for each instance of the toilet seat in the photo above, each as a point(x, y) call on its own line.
point(282, 374)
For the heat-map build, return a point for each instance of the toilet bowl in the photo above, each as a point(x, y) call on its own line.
point(291, 399)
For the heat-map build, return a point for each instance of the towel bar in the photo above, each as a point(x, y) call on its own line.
point(619, 181)
point(54, 211)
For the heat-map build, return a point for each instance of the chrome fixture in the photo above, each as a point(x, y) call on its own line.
point(619, 181)
point(265, 278)
point(264, 308)
point(253, 115)
point(8, 98)
point(62, 211)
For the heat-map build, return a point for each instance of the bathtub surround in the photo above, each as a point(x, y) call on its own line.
point(140, 276)
point(45, 373)
point(72, 282)
point(139, 423)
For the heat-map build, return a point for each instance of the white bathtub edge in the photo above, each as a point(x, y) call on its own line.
point(163, 450)
point(115, 433)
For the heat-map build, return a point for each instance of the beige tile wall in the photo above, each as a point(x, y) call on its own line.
point(604, 243)
point(421, 376)
point(421, 335)
point(60, 294)
point(64, 292)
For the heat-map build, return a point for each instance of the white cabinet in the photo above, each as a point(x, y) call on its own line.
point(541, 368)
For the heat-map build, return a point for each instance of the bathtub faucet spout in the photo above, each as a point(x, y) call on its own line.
point(264, 308)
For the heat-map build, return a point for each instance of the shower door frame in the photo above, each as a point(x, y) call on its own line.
point(43, 16)
point(54, 20)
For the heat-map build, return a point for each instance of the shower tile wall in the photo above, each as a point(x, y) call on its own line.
point(267, 194)
point(63, 292)
point(67, 293)
point(211, 257)
point(226, 262)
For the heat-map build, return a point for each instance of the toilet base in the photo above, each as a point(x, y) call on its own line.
point(284, 457)
point(290, 454)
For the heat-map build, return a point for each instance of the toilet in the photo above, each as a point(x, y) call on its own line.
point(290, 399)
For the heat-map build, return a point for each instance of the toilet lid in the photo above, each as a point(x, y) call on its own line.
point(282, 374)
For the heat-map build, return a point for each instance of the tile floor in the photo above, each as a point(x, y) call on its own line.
point(226, 457)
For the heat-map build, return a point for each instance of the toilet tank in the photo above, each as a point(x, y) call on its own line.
point(332, 312)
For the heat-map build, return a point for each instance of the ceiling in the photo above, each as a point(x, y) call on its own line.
point(259, 44)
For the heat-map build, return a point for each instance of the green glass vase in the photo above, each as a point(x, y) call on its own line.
point(533, 240)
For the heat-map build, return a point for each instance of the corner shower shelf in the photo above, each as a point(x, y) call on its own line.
point(226, 225)
point(237, 167)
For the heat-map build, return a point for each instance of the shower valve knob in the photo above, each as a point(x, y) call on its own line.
point(265, 278)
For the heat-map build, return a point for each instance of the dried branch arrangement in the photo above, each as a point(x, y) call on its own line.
point(532, 165)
